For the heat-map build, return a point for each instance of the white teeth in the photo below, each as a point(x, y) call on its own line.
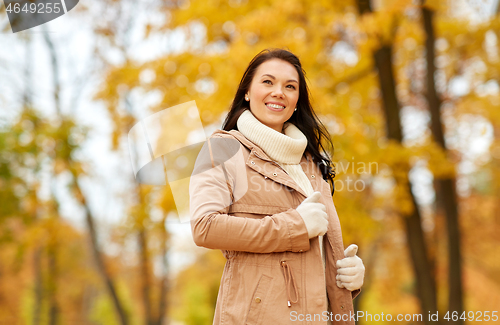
point(275, 106)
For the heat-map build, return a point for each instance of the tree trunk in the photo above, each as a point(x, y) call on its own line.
point(37, 268)
point(52, 273)
point(55, 71)
point(52, 283)
point(164, 286)
point(369, 262)
point(37, 251)
point(426, 288)
point(88, 215)
point(122, 317)
point(145, 279)
point(445, 188)
point(144, 258)
point(496, 178)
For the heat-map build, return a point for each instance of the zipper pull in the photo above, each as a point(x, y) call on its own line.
point(289, 304)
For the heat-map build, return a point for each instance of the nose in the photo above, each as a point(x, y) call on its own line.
point(277, 92)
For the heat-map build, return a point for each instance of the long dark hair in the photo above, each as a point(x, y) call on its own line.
point(303, 118)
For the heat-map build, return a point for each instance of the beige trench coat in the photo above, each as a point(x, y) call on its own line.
point(243, 203)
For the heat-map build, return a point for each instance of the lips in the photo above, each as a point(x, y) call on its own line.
point(278, 107)
point(274, 108)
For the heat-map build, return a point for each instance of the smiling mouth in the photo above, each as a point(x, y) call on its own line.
point(275, 106)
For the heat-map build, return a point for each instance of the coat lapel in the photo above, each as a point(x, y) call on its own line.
point(259, 157)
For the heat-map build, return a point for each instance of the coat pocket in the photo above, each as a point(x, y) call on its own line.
point(259, 301)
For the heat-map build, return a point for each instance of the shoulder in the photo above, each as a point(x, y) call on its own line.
point(221, 146)
point(224, 139)
point(222, 134)
point(232, 137)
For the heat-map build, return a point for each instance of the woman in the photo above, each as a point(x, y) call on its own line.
point(258, 193)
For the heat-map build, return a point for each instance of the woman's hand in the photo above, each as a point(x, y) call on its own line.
point(314, 215)
point(350, 270)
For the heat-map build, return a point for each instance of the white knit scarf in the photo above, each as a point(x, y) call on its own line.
point(286, 149)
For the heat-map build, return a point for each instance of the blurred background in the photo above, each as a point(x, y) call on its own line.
point(408, 90)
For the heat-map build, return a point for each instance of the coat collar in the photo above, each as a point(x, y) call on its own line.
point(257, 152)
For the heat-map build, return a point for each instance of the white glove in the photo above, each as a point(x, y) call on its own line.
point(350, 270)
point(314, 215)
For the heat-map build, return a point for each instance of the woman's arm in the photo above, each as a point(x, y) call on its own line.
point(211, 189)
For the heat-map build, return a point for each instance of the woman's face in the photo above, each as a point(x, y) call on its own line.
point(273, 93)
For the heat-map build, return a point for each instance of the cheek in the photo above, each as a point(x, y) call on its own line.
point(259, 93)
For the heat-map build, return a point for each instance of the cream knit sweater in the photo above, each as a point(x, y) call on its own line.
point(285, 149)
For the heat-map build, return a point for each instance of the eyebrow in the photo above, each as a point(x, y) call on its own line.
point(271, 76)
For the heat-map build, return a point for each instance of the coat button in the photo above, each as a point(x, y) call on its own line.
point(257, 300)
point(252, 162)
point(319, 302)
point(274, 174)
point(341, 306)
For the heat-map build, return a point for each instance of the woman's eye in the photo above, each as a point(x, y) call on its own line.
point(293, 87)
point(267, 81)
